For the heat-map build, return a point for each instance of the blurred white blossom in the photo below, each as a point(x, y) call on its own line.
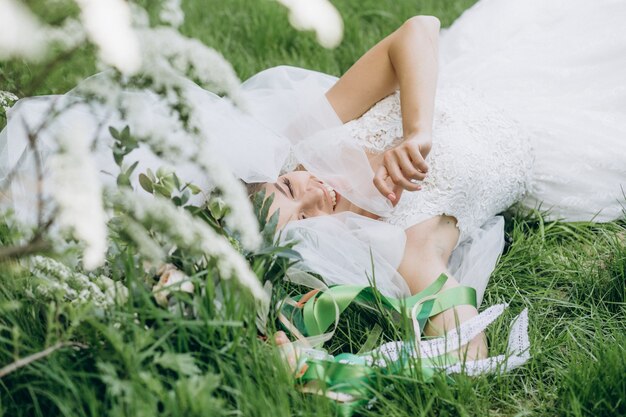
point(319, 16)
point(77, 190)
point(7, 99)
point(188, 233)
point(172, 13)
point(170, 58)
point(56, 278)
point(157, 124)
point(69, 35)
point(108, 25)
point(21, 33)
point(241, 215)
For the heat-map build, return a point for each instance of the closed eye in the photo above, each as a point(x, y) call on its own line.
point(288, 184)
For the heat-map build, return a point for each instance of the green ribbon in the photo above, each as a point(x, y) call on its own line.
point(349, 374)
point(321, 310)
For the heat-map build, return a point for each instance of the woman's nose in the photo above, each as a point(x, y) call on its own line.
point(313, 196)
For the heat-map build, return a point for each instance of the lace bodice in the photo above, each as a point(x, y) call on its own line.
point(480, 163)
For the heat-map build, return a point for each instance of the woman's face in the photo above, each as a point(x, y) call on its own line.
point(299, 195)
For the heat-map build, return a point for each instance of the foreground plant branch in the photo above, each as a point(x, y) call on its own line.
point(20, 363)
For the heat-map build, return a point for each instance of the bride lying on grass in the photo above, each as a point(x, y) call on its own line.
point(447, 165)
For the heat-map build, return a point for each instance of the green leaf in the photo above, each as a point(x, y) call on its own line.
point(269, 230)
point(217, 208)
point(114, 132)
point(176, 181)
point(145, 183)
point(183, 363)
point(123, 180)
point(150, 175)
point(130, 170)
point(194, 189)
point(372, 339)
point(160, 189)
point(185, 197)
point(263, 207)
point(169, 182)
point(280, 251)
point(118, 157)
point(126, 133)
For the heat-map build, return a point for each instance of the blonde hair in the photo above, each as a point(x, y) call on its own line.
point(253, 187)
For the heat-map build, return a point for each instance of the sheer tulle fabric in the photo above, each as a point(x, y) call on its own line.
point(291, 101)
point(350, 249)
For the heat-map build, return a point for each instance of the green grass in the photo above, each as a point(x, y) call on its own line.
point(138, 359)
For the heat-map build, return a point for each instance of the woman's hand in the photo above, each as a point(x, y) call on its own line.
point(403, 166)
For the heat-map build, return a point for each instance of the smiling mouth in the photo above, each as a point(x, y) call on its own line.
point(332, 194)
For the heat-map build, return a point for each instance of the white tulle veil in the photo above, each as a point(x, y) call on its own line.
point(286, 120)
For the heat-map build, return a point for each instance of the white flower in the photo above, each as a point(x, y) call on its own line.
point(318, 15)
point(76, 189)
point(56, 277)
point(108, 25)
point(7, 99)
point(21, 33)
point(172, 13)
point(70, 35)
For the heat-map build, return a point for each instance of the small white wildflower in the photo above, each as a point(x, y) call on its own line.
point(317, 15)
point(108, 25)
point(114, 291)
point(22, 35)
point(7, 99)
point(172, 13)
point(55, 277)
point(77, 192)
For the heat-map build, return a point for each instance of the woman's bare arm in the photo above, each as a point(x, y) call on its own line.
point(406, 59)
point(427, 252)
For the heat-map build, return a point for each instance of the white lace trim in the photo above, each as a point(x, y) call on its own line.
point(480, 163)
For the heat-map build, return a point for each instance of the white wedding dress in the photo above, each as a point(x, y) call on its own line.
point(530, 109)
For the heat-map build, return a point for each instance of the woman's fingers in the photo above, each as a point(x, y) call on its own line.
point(408, 169)
point(416, 157)
point(401, 170)
point(388, 189)
point(385, 185)
point(398, 177)
point(381, 185)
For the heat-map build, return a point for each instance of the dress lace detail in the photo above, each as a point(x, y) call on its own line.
point(480, 163)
